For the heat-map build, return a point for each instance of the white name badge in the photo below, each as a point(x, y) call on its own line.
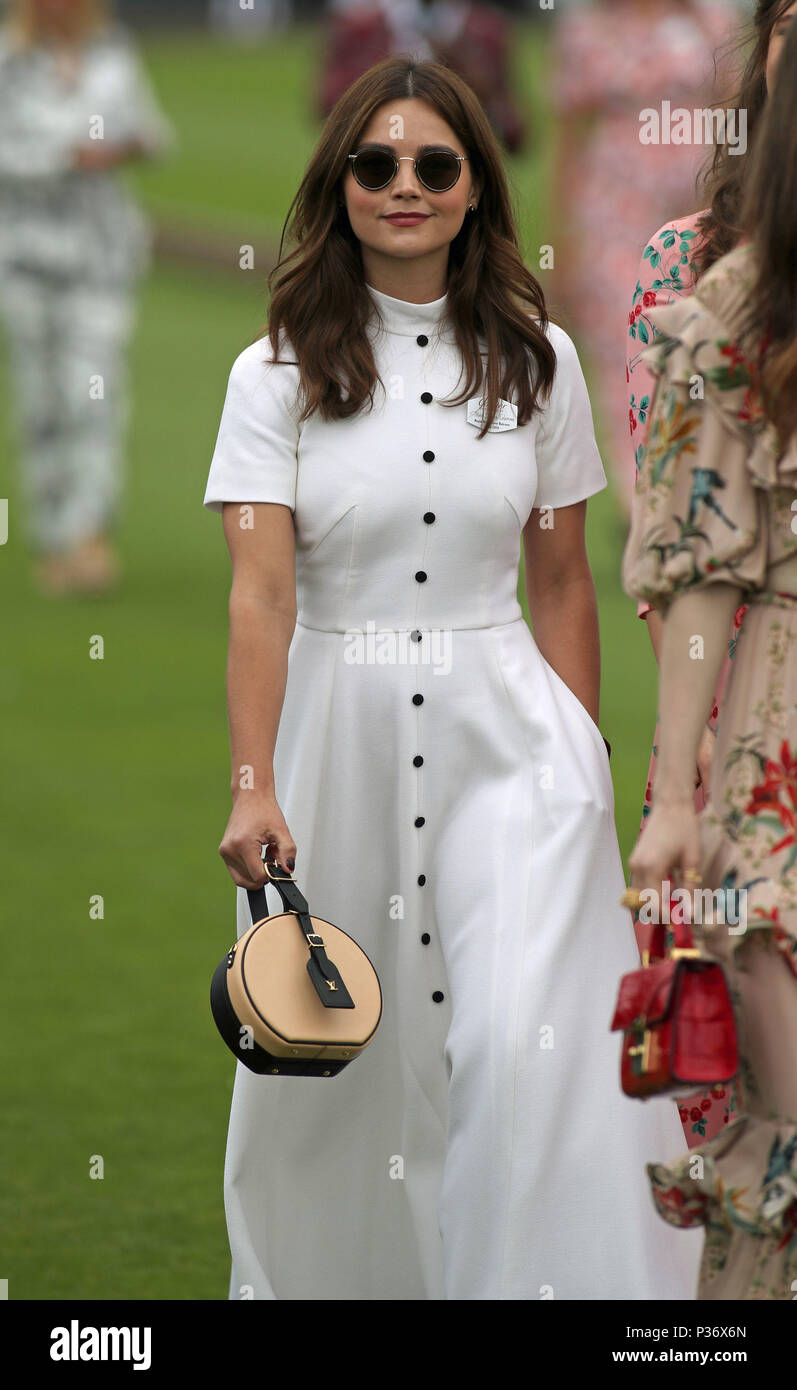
point(505, 415)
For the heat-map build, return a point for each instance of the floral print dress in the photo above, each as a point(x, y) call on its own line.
point(714, 504)
point(668, 272)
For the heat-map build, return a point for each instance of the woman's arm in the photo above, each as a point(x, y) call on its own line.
point(135, 127)
point(262, 621)
point(671, 841)
point(705, 748)
point(100, 156)
point(655, 624)
point(561, 596)
point(694, 643)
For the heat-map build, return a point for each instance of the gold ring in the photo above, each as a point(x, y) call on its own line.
point(693, 876)
point(632, 897)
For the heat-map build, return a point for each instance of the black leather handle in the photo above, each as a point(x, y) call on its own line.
point(291, 897)
point(323, 972)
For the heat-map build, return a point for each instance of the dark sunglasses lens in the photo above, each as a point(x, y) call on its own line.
point(438, 170)
point(373, 168)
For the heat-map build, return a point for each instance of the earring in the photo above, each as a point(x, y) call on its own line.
point(471, 208)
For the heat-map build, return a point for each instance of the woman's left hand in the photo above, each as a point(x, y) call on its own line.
point(669, 845)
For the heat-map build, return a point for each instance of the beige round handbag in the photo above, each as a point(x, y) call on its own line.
point(295, 995)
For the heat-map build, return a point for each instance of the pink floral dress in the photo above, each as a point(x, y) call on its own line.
point(667, 273)
point(612, 60)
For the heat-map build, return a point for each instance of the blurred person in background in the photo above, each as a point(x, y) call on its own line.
point(230, 20)
point(75, 106)
point(612, 60)
point(713, 526)
point(474, 40)
point(674, 260)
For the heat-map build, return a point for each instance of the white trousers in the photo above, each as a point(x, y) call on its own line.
point(67, 345)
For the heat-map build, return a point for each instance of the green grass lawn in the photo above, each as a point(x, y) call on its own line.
point(116, 771)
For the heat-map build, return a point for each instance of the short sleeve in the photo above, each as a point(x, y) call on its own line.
point(569, 466)
point(700, 514)
point(33, 145)
point(256, 453)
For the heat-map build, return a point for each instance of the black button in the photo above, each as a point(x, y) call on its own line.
point(417, 699)
point(419, 821)
point(417, 760)
point(438, 996)
point(416, 635)
point(421, 576)
point(428, 518)
point(426, 938)
point(426, 396)
point(428, 456)
point(421, 340)
point(421, 880)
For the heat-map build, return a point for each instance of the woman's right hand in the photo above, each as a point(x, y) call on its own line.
point(253, 824)
point(669, 846)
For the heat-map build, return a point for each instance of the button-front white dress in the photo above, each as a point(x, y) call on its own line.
point(453, 810)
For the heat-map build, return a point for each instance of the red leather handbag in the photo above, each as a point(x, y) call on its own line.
point(676, 1017)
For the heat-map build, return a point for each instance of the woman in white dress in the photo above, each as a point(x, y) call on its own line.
point(441, 786)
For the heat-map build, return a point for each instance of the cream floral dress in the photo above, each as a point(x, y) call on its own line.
point(715, 499)
point(668, 271)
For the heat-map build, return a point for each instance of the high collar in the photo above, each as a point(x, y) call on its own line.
point(400, 316)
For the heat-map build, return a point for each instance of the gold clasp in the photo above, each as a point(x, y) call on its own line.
point(644, 1049)
point(277, 878)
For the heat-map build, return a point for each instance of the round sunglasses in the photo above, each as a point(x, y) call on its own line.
point(437, 170)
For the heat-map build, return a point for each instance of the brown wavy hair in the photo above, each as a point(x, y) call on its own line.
point(22, 22)
point(769, 218)
point(725, 178)
point(318, 291)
